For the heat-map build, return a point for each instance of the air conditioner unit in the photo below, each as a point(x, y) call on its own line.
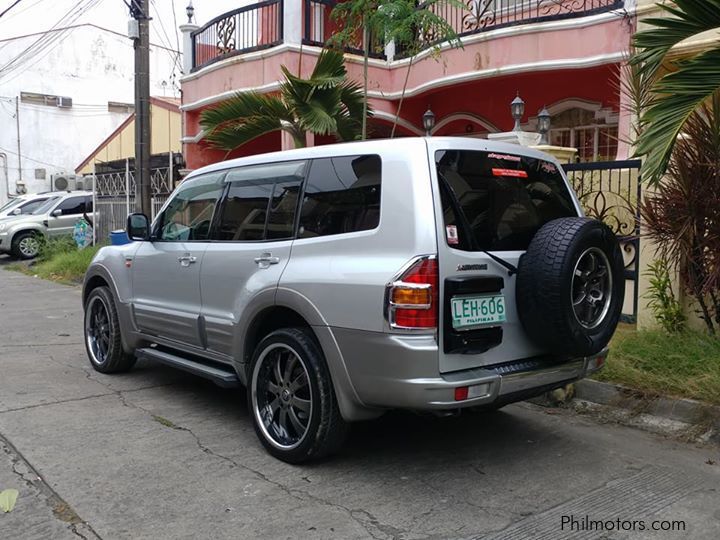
point(64, 102)
point(65, 182)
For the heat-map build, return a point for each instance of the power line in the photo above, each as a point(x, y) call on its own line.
point(15, 3)
point(174, 58)
point(43, 43)
point(23, 10)
point(33, 159)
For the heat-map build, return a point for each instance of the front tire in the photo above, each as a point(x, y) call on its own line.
point(102, 334)
point(291, 398)
point(26, 245)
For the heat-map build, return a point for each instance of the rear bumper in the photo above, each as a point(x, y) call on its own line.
point(394, 371)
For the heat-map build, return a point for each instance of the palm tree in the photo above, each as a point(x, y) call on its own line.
point(674, 95)
point(325, 103)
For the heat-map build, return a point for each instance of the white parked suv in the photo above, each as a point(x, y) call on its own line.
point(337, 282)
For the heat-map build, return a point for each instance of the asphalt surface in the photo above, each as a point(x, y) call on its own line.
point(160, 454)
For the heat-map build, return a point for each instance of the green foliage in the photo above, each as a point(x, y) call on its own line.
point(411, 26)
point(667, 310)
point(685, 364)
point(60, 260)
point(49, 248)
point(679, 93)
point(682, 215)
point(325, 103)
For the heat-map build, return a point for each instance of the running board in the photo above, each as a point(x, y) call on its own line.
point(221, 377)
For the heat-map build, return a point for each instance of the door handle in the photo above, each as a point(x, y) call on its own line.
point(187, 259)
point(266, 259)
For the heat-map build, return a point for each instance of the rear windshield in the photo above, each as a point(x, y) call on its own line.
point(497, 202)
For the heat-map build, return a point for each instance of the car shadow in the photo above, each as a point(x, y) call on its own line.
point(397, 437)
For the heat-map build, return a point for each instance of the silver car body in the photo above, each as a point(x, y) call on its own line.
point(42, 221)
point(210, 299)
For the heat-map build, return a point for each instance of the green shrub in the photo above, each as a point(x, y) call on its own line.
point(66, 266)
point(667, 310)
point(49, 248)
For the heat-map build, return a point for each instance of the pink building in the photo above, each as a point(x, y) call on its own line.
point(563, 54)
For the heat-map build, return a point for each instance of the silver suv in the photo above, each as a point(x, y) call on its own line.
point(340, 281)
point(21, 235)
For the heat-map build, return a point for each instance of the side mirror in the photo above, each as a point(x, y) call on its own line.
point(138, 227)
point(16, 212)
point(56, 213)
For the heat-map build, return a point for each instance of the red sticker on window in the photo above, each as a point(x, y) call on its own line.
point(510, 172)
point(452, 235)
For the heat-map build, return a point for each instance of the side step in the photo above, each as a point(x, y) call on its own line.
point(221, 377)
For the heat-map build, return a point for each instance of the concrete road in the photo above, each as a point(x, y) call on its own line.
point(159, 454)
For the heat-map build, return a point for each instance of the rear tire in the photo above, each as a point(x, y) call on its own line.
point(103, 340)
point(291, 398)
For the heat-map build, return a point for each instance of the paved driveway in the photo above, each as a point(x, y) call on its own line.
point(159, 454)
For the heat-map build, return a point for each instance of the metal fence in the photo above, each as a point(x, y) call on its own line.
point(246, 29)
point(611, 192)
point(115, 197)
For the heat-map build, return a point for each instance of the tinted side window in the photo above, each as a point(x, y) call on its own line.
point(29, 208)
point(342, 195)
point(72, 206)
point(189, 213)
point(89, 205)
point(244, 212)
point(261, 203)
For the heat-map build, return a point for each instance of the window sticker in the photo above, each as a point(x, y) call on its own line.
point(548, 167)
point(452, 235)
point(510, 172)
point(506, 157)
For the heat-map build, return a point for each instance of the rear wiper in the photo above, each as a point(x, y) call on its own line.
point(465, 225)
point(510, 267)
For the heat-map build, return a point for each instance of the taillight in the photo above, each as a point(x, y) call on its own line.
point(413, 297)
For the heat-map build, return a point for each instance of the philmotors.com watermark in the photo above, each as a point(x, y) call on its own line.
point(587, 523)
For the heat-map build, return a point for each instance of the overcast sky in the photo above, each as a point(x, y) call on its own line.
point(31, 16)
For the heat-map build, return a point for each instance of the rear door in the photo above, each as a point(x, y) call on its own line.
point(251, 246)
point(489, 205)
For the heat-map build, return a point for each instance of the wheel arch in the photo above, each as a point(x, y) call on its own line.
point(294, 310)
point(25, 229)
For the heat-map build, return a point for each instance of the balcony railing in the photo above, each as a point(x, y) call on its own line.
point(260, 25)
point(474, 17)
point(318, 27)
point(246, 29)
point(481, 15)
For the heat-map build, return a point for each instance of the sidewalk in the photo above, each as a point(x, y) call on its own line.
point(159, 454)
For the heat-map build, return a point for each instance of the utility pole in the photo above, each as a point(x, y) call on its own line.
point(140, 10)
point(19, 152)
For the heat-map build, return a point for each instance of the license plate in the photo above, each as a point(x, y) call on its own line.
point(471, 311)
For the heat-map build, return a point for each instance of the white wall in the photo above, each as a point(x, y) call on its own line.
point(92, 66)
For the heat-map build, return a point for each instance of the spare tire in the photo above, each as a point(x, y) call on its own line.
point(571, 286)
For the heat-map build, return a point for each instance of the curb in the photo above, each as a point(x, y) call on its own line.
point(688, 418)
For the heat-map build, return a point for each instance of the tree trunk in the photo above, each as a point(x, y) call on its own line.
point(402, 97)
point(366, 61)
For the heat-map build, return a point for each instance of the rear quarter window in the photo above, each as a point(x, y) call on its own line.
point(497, 202)
point(342, 195)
